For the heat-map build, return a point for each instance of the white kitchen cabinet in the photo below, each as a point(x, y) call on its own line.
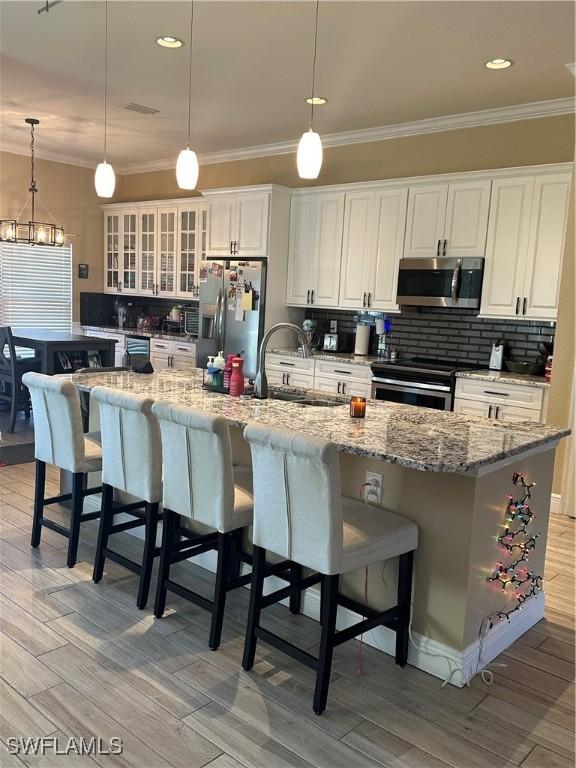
point(500, 401)
point(300, 262)
point(166, 353)
point(166, 281)
point(525, 246)
point(374, 222)
point(546, 246)
point(447, 219)
point(238, 224)
point(128, 251)
point(192, 235)
point(111, 252)
point(147, 253)
point(342, 387)
point(315, 249)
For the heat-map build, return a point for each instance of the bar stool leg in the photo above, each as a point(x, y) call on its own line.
point(254, 609)
point(39, 491)
point(222, 571)
point(329, 610)
point(405, 564)
point(151, 527)
point(170, 538)
point(106, 517)
point(77, 504)
point(296, 599)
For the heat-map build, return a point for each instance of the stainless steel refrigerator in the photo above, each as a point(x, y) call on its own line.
point(231, 316)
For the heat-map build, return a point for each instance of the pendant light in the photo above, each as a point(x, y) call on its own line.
point(187, 164)
point(32, 232)
point(309, 155)
point(104, 178)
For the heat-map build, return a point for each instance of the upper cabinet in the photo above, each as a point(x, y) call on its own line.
point(374, 222)
point(525, 246)
point(316, 222)
point(238, 224)
point(447, 219)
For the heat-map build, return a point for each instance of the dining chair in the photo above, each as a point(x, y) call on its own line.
point(12, 369)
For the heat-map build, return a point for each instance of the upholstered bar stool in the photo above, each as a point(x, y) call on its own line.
point(201, 484)
point(60, 441)
point(131, 463)
point(300, 514)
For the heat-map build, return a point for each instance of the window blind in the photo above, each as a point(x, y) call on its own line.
point(36, 286)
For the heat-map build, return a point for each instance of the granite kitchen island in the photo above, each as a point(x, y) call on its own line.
point(451, 474)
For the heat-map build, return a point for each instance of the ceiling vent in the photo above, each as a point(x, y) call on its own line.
point(141, 109)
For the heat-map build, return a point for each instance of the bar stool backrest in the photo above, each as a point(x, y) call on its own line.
point(297, 496)
point(58, 433)
point(197, 464)
point(131, 447)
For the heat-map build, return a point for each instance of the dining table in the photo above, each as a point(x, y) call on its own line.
point(57, 349)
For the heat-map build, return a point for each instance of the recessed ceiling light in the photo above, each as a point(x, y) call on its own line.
point(316, 100)
point(167, 41)
point(498, 64)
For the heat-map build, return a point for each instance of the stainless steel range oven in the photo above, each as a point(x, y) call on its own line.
point(420, 381)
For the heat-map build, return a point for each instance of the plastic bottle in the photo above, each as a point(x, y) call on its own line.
point(237, 377)
point(208, 376)
point(228, 372)
point(219, 365)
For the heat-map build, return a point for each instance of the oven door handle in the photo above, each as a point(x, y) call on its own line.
point(455, 282)
point(412, 384)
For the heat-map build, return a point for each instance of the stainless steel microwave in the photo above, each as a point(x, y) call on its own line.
point(442, 282)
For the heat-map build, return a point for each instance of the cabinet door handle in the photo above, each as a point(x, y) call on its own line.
point(517, 305)
point(345, 373)
point(445, 248)
point(283, 378)
point(490, 411)
point(497, 411)
point(363, 299)
point(343, 387)
point(230, 250)
point(524, 305)
point(308, 296)
point(283, 362)
point(339, 385)
point(287, 379)
point(369, 298)
point(498, 394)
point(236, 247)
point(438, 248)
point(312, 297)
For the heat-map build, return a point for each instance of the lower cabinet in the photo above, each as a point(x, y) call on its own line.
point(172, 354)
point(500, 401)
point(332, 377)
point(279, 378)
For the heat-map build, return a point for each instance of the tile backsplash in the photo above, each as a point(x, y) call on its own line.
point(100, 308)
point(448, 333)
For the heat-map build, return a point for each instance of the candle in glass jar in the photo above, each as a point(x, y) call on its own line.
point(358, 407)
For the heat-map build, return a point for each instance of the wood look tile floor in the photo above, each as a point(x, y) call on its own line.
point(80, 660)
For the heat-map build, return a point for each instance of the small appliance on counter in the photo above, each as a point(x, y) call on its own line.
point(497, 356)
point(330, 342)
point(310, 328)
point(362, 344)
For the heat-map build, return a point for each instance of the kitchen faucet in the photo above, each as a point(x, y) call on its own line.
point(260, 383)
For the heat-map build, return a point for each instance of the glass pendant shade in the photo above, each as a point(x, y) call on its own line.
point(187, 169)
point(104, 180)
point(309, 155)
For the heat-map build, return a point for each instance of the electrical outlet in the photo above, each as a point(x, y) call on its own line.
point(333, 326)
point(373, 488)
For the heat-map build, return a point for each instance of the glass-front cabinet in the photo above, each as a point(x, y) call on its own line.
point(129, 250)
point(166, 283)
point(112, 243)
point(192, 248)
point(147, 260)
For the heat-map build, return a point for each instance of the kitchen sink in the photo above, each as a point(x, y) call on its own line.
point(313, 402)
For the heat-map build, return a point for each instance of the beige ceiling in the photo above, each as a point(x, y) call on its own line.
point(379, 63)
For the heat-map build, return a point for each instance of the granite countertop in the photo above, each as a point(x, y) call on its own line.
point(418, 438)
point(343, 357)
point(505, 377)
point(151, 334)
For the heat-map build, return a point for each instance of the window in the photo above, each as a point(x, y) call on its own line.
point(36, 286)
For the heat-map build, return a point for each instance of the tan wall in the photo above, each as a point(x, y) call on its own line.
point(530, 142)
point(68, 193)
point(564, 347)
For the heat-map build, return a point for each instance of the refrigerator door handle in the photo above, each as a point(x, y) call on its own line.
point(219, 321)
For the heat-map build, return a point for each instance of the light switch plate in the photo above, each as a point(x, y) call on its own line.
point(333, 326)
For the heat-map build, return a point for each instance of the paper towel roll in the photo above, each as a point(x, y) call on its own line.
point(362, 340)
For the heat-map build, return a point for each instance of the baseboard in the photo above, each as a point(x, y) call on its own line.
point(556, 506)
point(429, 655)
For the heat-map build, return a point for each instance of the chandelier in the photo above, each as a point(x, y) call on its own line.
point(31, 232)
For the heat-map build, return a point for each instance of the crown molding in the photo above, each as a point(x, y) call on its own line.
point(484, 117)
point(15, 148)
point(537, 109)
